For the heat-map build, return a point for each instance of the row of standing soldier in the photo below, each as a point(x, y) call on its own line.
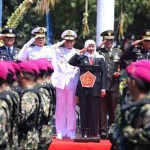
point(131, 127)
point(26, 111)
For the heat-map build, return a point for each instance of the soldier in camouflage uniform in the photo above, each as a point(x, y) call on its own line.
point(14, 100)
point(4, 111)
point(44, 124)
point(28, 134)
point(131, 130)
point(8, 51)
point(47, 82)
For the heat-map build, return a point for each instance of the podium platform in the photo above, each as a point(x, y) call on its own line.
point(66, 144)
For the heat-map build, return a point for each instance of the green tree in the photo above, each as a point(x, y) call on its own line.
point(69, 15)
point(65, 15)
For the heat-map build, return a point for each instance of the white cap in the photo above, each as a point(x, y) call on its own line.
point(68, 35)
point(89, 42)
point(39, 31)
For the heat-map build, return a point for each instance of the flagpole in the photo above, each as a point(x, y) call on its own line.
point(49, 36)
point(0, 14)
point(105, 17)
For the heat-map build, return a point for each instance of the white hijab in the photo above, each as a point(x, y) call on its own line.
point(94, 54)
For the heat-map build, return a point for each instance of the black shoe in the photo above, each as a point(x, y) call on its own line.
point(104, 135)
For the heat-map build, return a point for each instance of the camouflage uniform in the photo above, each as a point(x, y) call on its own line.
point(4, 125)
point(52, 96)
point(28, 134)
point(131, 130)
point(44, 124)
point(15, 99)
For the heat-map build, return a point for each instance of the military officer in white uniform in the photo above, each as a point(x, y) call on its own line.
point(29, 52)
point(66, 77)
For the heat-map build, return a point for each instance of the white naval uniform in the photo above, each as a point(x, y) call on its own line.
point(35, 52)
point(66, 81)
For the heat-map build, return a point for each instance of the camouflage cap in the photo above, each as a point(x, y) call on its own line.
point(27, 66)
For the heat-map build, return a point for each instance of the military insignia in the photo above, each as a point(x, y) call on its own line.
point(41, 30)
point(148, 33)
point(69, 33)
point(10, 30)
point(116, 58)
point(87, 79)
point(61, 61)
point(109, 33)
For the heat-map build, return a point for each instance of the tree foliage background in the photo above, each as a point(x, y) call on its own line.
point(68, 14)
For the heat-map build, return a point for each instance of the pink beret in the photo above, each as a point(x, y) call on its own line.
point(40, 64)
point(143, 63)
point(11, 69)
point(142, 74)
point(3, 71)
point(140, 70)
point(28, 66)
point(15, 65)
point(48, 64)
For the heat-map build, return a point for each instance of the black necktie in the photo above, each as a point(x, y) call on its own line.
point(9, 51)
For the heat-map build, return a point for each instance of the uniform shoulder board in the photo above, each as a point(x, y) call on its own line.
point(118, 49)
point(17, 48)
point(101, 53)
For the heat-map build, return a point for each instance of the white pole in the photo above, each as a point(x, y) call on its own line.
point(1, 14)
point(105, 17)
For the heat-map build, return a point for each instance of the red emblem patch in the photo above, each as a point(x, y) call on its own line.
point(87, 79)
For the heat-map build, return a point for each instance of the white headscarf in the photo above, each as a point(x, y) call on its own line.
point(94, 54)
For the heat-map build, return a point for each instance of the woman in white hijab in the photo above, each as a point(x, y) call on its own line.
point(90, 51)
point(88, 60)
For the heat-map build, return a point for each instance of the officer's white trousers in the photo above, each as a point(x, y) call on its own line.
point(65, 112)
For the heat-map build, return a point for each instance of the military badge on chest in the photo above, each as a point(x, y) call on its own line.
point(85, 61)
point(61, 61)
point(116, 57)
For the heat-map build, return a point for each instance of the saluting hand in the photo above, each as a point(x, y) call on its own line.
point(83, 50)
point(135, 43)
point(2, 36)
point(103, 42)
